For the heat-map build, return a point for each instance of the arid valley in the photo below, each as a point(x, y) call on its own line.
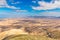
point(49, 28)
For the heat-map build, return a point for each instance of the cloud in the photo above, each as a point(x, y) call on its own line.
point(34, 1)
point(50, 13)
point(3, 3)
point(15, 2)
point(47, 5)
point(20, 11)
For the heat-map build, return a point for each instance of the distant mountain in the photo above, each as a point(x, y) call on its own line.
point(43, 17)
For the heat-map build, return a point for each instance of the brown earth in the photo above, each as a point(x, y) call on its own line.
point(44, 27)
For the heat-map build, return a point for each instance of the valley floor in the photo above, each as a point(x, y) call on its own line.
point(43, 29)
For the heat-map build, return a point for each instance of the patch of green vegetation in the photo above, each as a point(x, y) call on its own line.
point(28, 37)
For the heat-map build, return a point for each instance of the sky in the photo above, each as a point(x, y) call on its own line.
point(25, 8)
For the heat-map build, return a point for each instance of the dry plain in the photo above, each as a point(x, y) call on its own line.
point(30, 26)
